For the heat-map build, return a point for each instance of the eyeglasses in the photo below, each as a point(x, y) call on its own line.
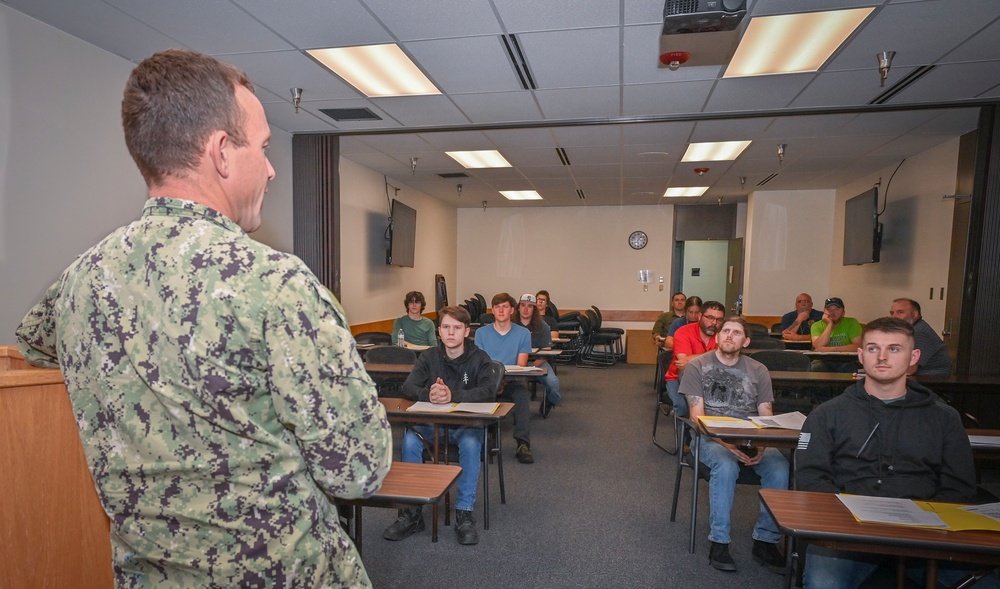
point(715, 319)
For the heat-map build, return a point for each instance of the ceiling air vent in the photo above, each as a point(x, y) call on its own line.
point(350, 114)
point(454, 175)
point(563, 156)
point(768, 179)
point(581, 195)
point(517, 60)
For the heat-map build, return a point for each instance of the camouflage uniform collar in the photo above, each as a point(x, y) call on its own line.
point(185, 208)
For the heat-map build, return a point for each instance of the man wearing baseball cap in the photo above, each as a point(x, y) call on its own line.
point(836, 333)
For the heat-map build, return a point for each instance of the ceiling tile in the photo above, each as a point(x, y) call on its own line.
point(550, 15)
point(313, 24)
point(573, 59)
point(436, 19)
point(469, 64)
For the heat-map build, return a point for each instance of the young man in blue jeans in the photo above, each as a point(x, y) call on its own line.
point(724, 383)
point(456, 371)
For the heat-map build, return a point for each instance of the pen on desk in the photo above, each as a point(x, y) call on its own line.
point(868, 439)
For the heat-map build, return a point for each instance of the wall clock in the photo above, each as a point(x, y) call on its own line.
point(638, 240)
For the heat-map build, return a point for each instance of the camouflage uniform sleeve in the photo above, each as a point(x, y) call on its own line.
point(322, 392)
point(36, 335)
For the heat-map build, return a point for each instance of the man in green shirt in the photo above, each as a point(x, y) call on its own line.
point(220, 399)
point(836, 333)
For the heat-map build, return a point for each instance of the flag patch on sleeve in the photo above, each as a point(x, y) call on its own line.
point(803, 441)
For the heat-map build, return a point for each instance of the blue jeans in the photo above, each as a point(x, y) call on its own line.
point(551, 384)
point(469, 440)
point(725, 469)
point(679, 400)
point(838, 569)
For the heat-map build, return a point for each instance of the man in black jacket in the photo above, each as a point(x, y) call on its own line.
point(884, 437)
point(454, 372)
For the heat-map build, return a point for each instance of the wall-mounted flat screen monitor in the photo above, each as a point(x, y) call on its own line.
point(402, 235)
point(862, 230)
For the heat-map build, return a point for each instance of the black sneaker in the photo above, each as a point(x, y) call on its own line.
point(718, 557)
point(465, 527)
point(409, 522)
point(523, 453)
point(767, 554)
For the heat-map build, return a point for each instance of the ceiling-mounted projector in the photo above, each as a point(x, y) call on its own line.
point(702, 16)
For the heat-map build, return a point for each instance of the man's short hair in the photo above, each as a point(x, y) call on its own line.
point(503, 298)
point(738, 319)
point(693, 301)
point(913, 303)
point(543, 292)
point(173, 101)
point(888, 325)
point(414, 296)
point(675, 294)
point(713, 305)
point(457, 313)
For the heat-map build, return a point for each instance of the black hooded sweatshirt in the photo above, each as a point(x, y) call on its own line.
point(467, 376)
point(913, 448)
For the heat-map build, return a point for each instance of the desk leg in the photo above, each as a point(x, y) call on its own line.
point(694, 495)
point(357, 528)
point(503, 491)
point(486, 478)
point(931, 576)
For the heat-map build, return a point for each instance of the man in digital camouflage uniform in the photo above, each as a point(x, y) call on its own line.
point(219, 397)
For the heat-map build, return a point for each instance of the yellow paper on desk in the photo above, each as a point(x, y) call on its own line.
point(719, 421)
point(958, 517)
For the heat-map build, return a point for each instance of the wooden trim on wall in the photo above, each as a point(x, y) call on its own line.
point(385, 326)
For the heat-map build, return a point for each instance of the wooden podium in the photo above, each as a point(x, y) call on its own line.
point(53, 531)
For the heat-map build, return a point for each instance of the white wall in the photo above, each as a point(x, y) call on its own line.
point(915, 241)
point(579, 254)
point(371, 290)
point(788, 249)
point(66, 179)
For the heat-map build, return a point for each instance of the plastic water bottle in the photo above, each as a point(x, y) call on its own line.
point(401, 339)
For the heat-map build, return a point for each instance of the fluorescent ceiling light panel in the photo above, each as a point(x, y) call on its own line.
point(715, 151)
point(681, 191)
point(790, 43)
point(376, 70)
point(487, 158)
point(521, 195)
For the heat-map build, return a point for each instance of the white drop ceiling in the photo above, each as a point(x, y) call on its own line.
point(602, 96)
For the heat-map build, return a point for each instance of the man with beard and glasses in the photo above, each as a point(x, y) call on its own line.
point(690, 341)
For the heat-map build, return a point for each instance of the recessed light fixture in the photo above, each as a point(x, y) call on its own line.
point(715, 151)
point(521, 195)
point(791, 43)
point(376, 70)
point(487, 158)
point(682, 191)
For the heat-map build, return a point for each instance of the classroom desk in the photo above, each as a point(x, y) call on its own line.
point(822, 519)
point(406, 485)
point(396, 412)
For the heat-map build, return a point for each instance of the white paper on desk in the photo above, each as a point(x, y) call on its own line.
point(418, 347)
point(548, 352)
point(990, 510)
point(888, 510)
point(478, 408)
point(992, 441)
point(793, 420)
point(523, 369)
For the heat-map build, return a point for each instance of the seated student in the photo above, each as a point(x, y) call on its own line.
point(835, 333)
point(885, 436)
point(692, 313)
point(795, 325)
point(454, 372)
point(541, 338)
point(542, 300)
point(678, 302)
point(510, 345)
point(934, 358)
point(691, 341)
point(725, 383)
point(416, 328)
